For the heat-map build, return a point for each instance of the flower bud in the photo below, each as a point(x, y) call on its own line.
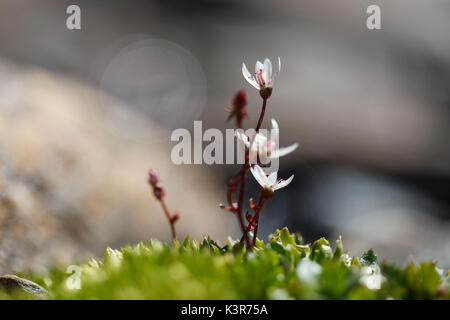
point(153, 177)
point(238, 110)
point(175, 217)
point(240, 100)
point(159, 192)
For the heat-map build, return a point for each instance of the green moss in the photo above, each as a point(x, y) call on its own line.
point(282, 268)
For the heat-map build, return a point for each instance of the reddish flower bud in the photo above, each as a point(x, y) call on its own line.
point(238, 108)
point(153, 177)
point(159, 192)
point(240, 100)
point(175, 217)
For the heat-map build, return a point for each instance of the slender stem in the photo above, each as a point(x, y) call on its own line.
point(255, 232)
point(245, 168)
point(241, 199)
point(231, 188)
point(232, 205)
point(241, 176)
point(169, 218)
point(261, 116)
point(262, 199)
point(255, 220)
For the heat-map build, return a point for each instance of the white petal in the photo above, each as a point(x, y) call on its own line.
point(268, 67)
point(261, 172)
point(279, 64)
point(274, 134)
point(283, 151)
point(253, 148)
point(245, 71)
point(272, 179)
point(260, 140)
point(262, 175)
point(263, 158)
point(257, 144)
point(283, 183)
point(254, 83)
point(257, 174)
point(267, 78)
point(274, 124)
point(249, 77)
point(243, 138)
point(253, 156)
point(258, 67)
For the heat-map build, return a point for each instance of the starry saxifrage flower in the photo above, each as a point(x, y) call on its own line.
point(266, 148)
point(263, 78)
point(269, 183)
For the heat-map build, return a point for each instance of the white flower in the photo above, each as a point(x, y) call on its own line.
point(308, 271)
point(263, 76)
point(280, 294)
point(267, 148)
point(270, 182)
point(371, 277)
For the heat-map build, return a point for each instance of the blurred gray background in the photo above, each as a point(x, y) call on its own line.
point(84, 114)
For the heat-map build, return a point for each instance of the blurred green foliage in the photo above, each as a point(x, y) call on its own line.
point(282, 268)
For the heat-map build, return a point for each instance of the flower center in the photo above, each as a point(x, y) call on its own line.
point(261, 79)
point(269, 147)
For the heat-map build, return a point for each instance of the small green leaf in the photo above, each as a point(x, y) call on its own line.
point(278, 247)
point(238, 248)
point(205, 244)
point(186, 242)
point(298, 238)
point(321, 250)
point(286, 238)
point(368, 258)
point(175, 243)
point(339, 249)
point(355, 262)
point(259, 243)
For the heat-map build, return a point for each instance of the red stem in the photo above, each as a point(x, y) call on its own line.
point(261, 116)
point(245, 168)
point(241, 199)
point(255, 220)
point(258, 211)
point(169, 218)
point(242, 175)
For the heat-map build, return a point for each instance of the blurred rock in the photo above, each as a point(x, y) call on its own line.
point(10, 283)
point(73, 179)
point(376, 100)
